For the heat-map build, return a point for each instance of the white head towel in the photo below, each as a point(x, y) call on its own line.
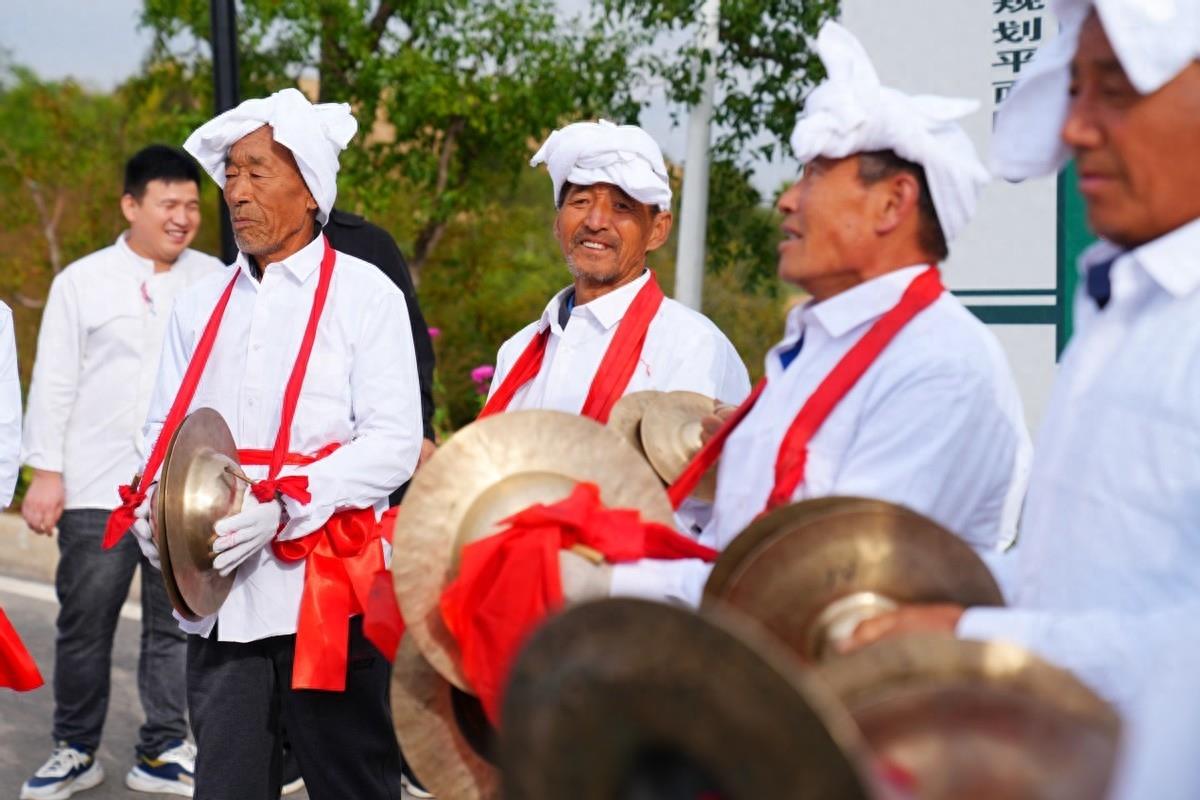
point(315, 134)
point(600, 152)
point(1154, 40)
point(852, 112)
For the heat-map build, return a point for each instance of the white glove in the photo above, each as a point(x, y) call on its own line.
point(245, 533)
point(143, 532)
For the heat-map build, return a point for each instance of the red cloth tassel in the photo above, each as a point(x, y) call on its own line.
point(18, 670)
point(508, 583)
point(344, 576)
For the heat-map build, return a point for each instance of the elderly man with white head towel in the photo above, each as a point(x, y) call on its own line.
point(884, 385)
point(1108, 578)
point(614, 207)
point(296, 346)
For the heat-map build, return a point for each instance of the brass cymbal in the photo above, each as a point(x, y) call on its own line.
point(488, 471)
point(624, 698)
point(443, 732)
point(198, 487)
point(825, 568)
point(164, 559)
point(670, 433)
point(764, 528)
point(978, 719)
point(626, 416)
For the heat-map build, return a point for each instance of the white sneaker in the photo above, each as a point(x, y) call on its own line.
point(171, 772)
point(413, 789)
point(68, 770)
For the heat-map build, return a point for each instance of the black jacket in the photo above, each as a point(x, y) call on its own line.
point(355, 236)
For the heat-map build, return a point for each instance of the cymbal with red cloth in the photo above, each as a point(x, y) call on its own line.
point(488, 471)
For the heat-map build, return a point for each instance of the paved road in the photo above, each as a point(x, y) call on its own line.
point(25, 718)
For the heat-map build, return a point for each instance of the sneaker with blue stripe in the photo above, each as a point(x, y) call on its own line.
point(170, 772)
point(69, 769)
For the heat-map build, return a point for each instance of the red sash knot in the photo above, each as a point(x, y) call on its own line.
point(509, 582)
point(344, 575)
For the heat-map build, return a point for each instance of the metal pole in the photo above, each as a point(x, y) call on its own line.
point(226, 92)
point(693, 212)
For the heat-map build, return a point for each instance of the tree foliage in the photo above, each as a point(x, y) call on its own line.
point(763, 64)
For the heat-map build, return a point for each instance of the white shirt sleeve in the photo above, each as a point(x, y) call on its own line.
point(1116, 654)
point(387, 424)
point(55, 384)
point(673, 581)
point(10, 408)
point(937, 443)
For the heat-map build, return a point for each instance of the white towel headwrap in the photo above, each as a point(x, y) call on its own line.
point(315, 134)
point(600, 152)
point(1154, 40)
point(852, 112)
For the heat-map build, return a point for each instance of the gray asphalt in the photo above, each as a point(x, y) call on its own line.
point(25, 718)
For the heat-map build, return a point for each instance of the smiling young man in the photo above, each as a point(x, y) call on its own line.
point(614, 208)
point(1108, 578)
point(884, 385)
point(97, 354)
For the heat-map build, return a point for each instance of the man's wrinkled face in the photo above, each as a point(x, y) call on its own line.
point(1135, 153)
point(165, 220)
point(605, 234)
point(825, 222)
point(269, 203)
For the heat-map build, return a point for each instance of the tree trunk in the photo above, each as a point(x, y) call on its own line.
point(434, 229)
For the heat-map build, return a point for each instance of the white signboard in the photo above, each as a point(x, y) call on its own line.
point(1005, 265)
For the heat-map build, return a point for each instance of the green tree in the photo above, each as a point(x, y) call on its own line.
point(449, 94)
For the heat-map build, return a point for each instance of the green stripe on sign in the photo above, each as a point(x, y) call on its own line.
point(1073, 238)
point(1016, 315)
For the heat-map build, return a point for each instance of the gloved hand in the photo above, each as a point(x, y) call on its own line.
point(245, 533)
point(142, 530)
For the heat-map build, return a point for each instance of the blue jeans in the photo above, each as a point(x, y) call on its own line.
point(92, 584)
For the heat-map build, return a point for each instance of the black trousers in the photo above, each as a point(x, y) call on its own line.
point(240, 695)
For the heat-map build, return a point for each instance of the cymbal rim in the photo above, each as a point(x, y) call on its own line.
point(661, 433)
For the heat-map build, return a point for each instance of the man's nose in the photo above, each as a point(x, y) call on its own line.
point(1081, 131)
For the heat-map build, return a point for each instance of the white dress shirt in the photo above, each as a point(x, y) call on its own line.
point(1110, 539)
point(97, 355)
point(10, 408)
point(934, 424)
point(684, 351)
point(360, 390)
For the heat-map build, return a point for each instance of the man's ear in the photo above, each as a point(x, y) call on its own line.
point(660, 230)
point(129, 207)
point(897, 198)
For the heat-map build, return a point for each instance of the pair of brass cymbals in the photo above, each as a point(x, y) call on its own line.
point(201, 483)
point(665, 427)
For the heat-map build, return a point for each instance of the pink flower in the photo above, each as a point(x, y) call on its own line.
point(483, 373)
point(434, 332)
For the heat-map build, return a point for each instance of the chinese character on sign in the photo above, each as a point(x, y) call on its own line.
point(1000, 90)
point(1014, 59)
point(1017, 6)
point(1016, 32)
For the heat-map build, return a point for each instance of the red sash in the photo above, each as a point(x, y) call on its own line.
point(508, 583)
point(615, 370)
point(793, 451)
point(18, 670)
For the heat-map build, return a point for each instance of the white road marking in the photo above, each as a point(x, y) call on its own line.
point(34, 590)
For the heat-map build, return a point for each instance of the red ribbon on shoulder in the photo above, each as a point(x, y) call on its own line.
point(792, 457)
point(18, 670)
point(615, 370)
point(509, 582)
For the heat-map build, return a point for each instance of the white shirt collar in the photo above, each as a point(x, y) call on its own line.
point(299, 265)
point(607, 309)
point(1172, 261)
point(867, 301)
point(144, 266)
